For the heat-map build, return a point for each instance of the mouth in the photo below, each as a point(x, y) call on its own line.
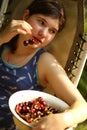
point(32, 41)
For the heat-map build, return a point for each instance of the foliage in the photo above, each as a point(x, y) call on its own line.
point(82, 86)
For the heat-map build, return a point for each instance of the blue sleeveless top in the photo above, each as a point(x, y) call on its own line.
point(13, 79)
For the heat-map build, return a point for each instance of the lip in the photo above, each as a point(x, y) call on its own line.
point(36, 40)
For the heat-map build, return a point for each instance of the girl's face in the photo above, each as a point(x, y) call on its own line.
point(44, 29)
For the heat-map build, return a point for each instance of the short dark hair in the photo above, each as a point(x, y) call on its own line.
point(51, 8)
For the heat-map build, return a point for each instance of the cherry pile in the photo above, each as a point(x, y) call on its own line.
point(32, 111)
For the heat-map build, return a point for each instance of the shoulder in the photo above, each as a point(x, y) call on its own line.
point(49, 69)
point(47, 64)
point(47, 58)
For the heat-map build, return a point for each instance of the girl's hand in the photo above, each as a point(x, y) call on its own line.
point(54, 122)
point(15, 27)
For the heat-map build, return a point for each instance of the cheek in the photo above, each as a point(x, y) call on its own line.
point(35, 27)
point(50, 38)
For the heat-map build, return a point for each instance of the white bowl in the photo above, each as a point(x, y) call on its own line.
point(28, 95)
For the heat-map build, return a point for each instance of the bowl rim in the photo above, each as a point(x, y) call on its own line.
point(22, 93)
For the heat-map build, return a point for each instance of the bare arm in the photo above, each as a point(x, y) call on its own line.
point(64, 89)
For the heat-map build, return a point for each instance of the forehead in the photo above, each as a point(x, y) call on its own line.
point(51, 22)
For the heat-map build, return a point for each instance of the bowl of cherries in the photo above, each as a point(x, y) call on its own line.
point(29, 107)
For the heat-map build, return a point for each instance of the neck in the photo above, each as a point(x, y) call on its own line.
point(19, 58)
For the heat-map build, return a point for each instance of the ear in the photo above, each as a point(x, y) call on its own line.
point(26, 15)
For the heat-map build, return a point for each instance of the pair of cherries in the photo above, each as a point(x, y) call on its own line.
point(30, 41)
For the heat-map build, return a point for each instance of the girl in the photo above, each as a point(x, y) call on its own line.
point(24, 64)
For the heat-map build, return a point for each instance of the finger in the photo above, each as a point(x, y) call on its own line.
point(69, 128)
point(19, 31)
point(22, 26)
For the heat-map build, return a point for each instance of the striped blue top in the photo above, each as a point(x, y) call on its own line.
point(15, 78)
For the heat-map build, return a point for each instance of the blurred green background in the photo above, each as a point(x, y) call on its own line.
point(82, 86)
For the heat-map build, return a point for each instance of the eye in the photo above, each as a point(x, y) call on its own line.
point(52, 31)
point(41, 22)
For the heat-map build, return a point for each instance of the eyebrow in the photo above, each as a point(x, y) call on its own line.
point(47, 23)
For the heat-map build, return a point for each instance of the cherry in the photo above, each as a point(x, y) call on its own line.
point(34, 110)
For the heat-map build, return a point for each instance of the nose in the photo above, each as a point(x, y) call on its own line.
point(43, 32)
